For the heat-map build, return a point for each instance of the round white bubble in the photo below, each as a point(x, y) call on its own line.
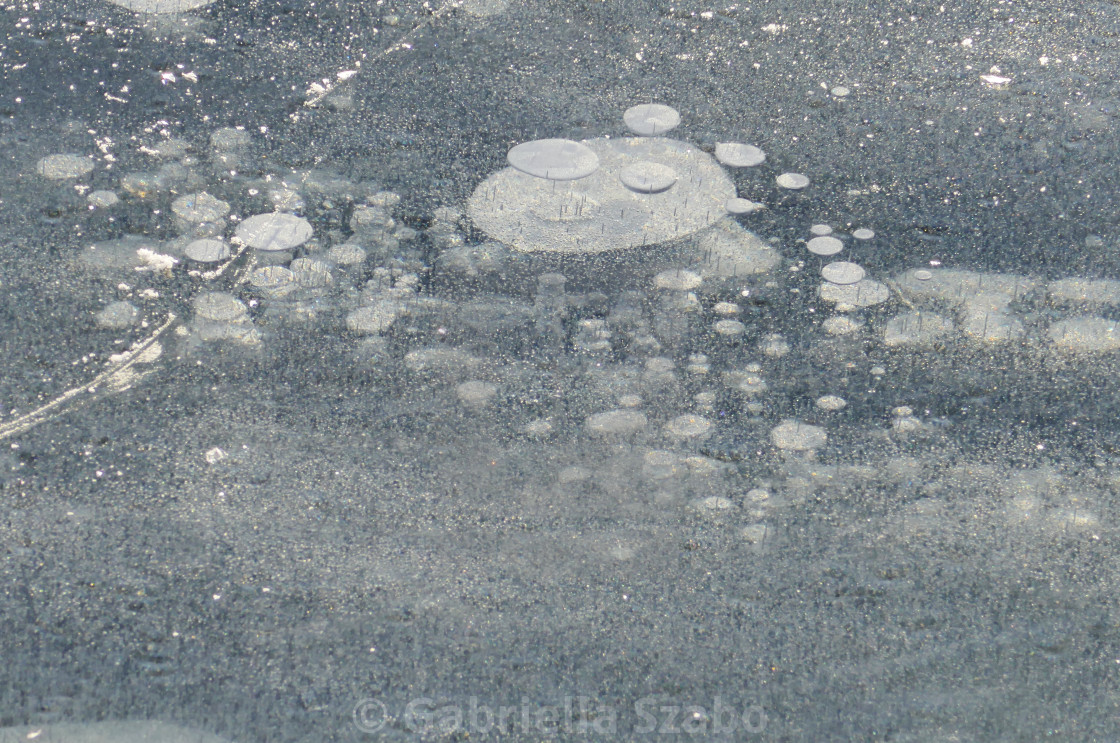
point(726, 309)
point(792, 181)
point(843, 272)
point(207, 250)
point(274, 232)
point(554, 159)
point(831, 403)
point(742, 206)
point(825, 245)
point(651, 119)
point(739, 155)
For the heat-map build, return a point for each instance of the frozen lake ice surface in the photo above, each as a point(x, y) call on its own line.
point(524, 370)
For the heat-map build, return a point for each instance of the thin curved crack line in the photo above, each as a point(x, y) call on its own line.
point(322, 91)
point(72, 398)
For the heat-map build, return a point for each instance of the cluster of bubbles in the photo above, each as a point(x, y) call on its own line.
point(993, 309)
point(663, 355)
point(268, 266)
point(563, 196)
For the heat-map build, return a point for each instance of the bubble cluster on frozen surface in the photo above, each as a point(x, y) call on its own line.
point(644, 191)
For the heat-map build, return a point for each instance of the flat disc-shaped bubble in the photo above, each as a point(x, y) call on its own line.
point(651, 119)
point(554, 159)
point(843, 272)
point(274, 231)
point(648, 177)
point(742, 206)
point(207, 251)
point(739, 155)
point(793, 181)
point(831, 402)
point(825, 245)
